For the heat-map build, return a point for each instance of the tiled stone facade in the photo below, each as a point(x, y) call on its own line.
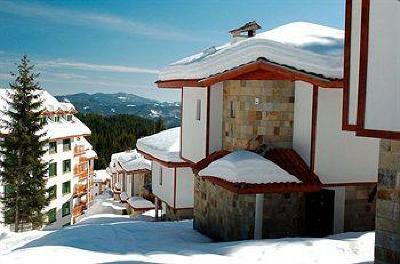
point(178, 214)
point(387, 238)
point(226, 216)
point(359, 210)
point(248, 124)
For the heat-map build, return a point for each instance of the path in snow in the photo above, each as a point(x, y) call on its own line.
point(120, 239)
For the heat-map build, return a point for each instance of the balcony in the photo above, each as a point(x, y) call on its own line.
point(77, 210)
point(79, 149)
point(79, 190)
point(80, 170)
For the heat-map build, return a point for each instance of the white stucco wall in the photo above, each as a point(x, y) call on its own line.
point(383, 79)
point(184, 188)
point(59, 180)
point(354, 60)
point(216, 114)
point(194, 131)
point(302, 120)
point(165, 191)
point(340, 156)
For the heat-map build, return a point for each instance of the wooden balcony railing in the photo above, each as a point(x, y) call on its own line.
point(77, 211)
point(79, 149)
point(81, 171)
point(80, 189)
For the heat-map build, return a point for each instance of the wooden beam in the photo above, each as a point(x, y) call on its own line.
point(178, 84)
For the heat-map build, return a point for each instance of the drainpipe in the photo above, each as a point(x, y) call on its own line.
point(258, 219)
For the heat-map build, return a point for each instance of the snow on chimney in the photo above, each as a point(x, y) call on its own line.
point(248, 30)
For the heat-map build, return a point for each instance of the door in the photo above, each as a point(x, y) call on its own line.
point(320, 213)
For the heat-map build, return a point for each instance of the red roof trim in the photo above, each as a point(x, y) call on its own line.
point(260, 69)
point(287, 159)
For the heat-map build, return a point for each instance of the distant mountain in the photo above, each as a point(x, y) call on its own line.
point(123, 103)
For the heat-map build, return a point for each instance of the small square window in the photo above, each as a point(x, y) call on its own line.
point(161, 176)
point(52, 191)
point(51, 216)
point(52, 147)
point(56, 119)
point(198, 109)
point(52, 169)
point(66, 166)
point(67, 144)
point(66, 187)
point(66, 208)
point(69, 117)
point(232, 109)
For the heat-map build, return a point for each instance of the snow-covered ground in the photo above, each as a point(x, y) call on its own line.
point(108, 238)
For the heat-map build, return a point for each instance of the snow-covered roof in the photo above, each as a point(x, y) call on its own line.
point(60, 129)
point(247, 167)
point(164, 145)
point(138, 202)
point(130, 161)
point(124, 196)
point(101, 176)
point(64, 128)
point(306, 47)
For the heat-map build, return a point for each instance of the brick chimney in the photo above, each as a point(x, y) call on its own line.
point(248, 30)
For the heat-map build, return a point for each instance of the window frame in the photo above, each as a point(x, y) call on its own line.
point(63, 208)
point(52, 211)
point(54, 187)
point(198, 110)
point(69, 145)
point(64, 162)
point(55, 169)
point(160, 178)
point(64, 184)
point(50, 149)
point(232, 109)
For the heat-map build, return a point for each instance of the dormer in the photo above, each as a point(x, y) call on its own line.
point(248, 30)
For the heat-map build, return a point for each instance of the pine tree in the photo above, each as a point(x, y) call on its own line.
point(159, 125)
point(23, 169)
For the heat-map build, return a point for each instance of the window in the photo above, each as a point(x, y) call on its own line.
point(160, 177)
point(56, 119)
point(52, 169)
point(67, 144)
point(198, 109)
point(66, 166)
point(51, 216)
point(69, 118)
point(43, 120)
point(66, 187)
point(52, 147)
point(232, 110)
point(66, 208)
point(52, 191)
point(9, 190)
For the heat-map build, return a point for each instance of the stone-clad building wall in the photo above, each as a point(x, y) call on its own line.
point(359, 210)
point(250, 124)
point(227, 216)
point(387, 235)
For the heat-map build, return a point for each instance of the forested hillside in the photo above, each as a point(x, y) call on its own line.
point(117, 133)
point(124, 103)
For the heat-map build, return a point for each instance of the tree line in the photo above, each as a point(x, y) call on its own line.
point(111, 134)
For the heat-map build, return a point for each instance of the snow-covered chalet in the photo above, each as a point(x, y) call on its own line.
point(262, 131)
point(131, 180)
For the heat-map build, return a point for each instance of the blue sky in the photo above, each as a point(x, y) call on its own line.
point(111, 46)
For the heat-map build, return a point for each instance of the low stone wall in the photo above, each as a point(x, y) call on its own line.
point(226, 216)
point(387, 234)
point(178, 214)
point(359, 210)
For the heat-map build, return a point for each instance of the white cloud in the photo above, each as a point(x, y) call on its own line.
point(91, 19)
point(95, 67)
